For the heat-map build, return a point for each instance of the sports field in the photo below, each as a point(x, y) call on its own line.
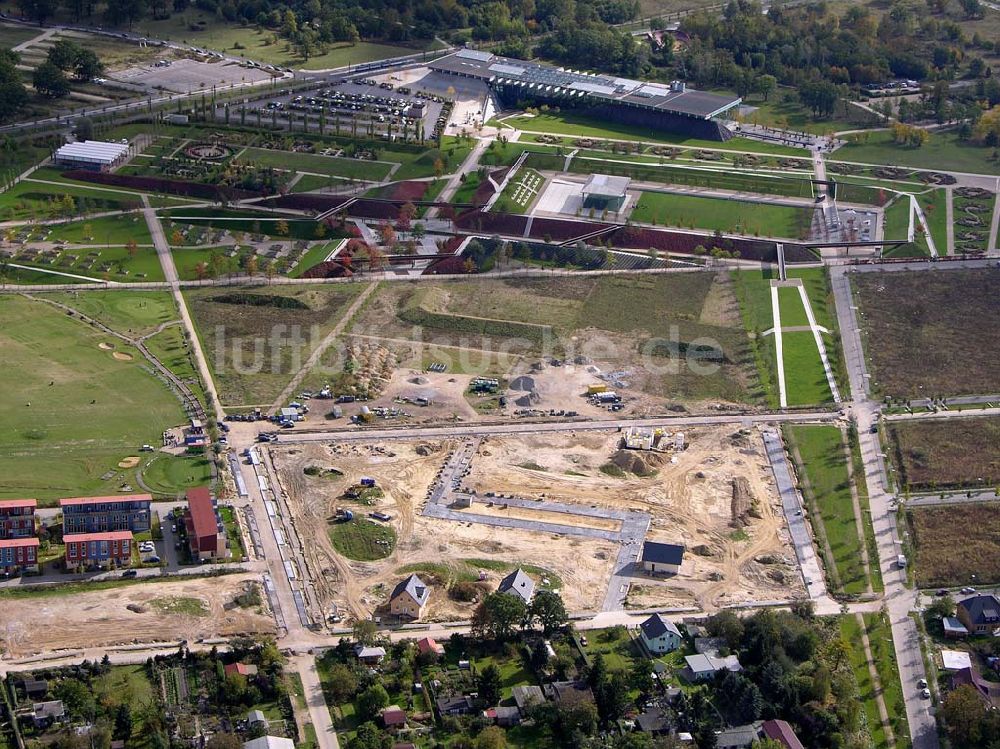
point(72, 410)
point(740, 217)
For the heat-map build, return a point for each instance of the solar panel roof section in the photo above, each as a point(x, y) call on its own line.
point(506, 69)
point(474, 54)
point(593, 88)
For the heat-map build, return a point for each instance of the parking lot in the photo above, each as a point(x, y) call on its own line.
point(184, 75)
point(374, 107)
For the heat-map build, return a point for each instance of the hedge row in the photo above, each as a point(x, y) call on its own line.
point(162, 185)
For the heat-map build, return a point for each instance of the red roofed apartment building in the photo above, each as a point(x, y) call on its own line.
point(205, 531)
point(105, 549)
point(17, 518)
point(18, 555)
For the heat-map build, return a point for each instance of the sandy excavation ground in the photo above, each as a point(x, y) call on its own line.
point(405, 471)
point(690, 501)
point(101, 618)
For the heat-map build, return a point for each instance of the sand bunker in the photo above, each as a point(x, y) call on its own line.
point(105, 346)
point(130, 462)
point(121, 356)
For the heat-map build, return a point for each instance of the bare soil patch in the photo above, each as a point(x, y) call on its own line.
point(931, 334)
point(947, 453)
point(938, 534)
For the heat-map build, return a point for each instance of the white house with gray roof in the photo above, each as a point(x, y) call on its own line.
point(518, 583)
point(660, 635)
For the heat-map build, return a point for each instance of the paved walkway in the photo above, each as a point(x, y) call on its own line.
point(949, 198)
point(991, 246)
point(776, 328)
point(326, 737)
point(918, 210)
point(47, 34)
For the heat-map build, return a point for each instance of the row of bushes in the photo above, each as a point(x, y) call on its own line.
point(162, 185)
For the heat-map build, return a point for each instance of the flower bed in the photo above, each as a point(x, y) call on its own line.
point(161, 185)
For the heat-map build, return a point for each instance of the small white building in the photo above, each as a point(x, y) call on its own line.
point(660, 635)
point(955, 660)
point(704, 667)
point(269, 742)
point(96, 155)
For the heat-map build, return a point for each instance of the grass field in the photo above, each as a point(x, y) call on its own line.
point(884, 655)
point(363, 540)
point(935, 454)
point(104, 263)
point(313, 256)
point(805, 378)
point(106, 230)
point(936, 210)
point(330, 166)
point(169, 476)
point(129, 312)
point(582, 313)
point(919, 334)
point(822, 468)
point(760, 219)
point(255, 341)
point(27, 200)
point(939, 531)
point(850, 630)
point(944, 151)
point(11, 36)
point(567, 123)
point(87, 409)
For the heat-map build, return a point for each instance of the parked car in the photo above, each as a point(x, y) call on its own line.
point(130, 573)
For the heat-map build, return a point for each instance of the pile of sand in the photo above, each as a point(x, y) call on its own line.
point(122, 356)
point(639, 463)
point(130, 462)
point(105, 346)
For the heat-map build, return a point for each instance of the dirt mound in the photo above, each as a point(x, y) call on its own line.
point(523, 382)
point(424, 450)
point(136, 608)
point(529, 400)
point(741, 501)
point(418, 380)
point(638, 463)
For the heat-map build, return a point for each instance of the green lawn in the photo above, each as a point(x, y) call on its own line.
point(935, 208)
point(29, 199)
point(313, 256)
point(735, 216)
point(363, 540)
point(880, 637)
point(824, 466)
point(330, 166)
point(87, 409)
point(788, 113)
point(805, 378)
point(11, 36)
point(212, 32)
point(171, 348)
point(793, 313)
point(168, 475)
point(107, 230)
point(943, 151)
point(897, 218)
point(105, 264)
point(850, 631)
point(567, 123)
point(313, 182)
point(128, 312)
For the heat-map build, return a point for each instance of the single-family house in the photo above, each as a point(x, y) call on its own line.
point(409, 598)
point(454, 705)
point(704, 667)
point(661, 559)
point(518, 583)
point(782, 732)
point(243, 669)
point(568, 692)
point(989, 691)
point(507, 716)
point(660, 635)
point(526, 697)
point(269, 742)
point(738, 737)
point(256, 718)
point(46, 714)
point(370, 655)
point(394, 717)
point(33, 688)
point(980, 614)
point(429, 645)
point(655, 721)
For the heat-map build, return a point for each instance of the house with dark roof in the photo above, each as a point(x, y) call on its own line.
point(517, 583)
point(45, 714)
point(980, 614)
point(409, 598)
point(506, 716)
point(660, 635)
point(655, 721)
point(780, 731)
point(454, 705)
point(569, 692)
point(661, 559)
point(987, 690)
point(738, 737)
point(33, 688)
point(394, 717)
point(527, 696)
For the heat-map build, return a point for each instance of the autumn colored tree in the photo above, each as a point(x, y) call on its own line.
point(387, 235)
point(282, 228)
point(131, 248)
point(407, 212)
